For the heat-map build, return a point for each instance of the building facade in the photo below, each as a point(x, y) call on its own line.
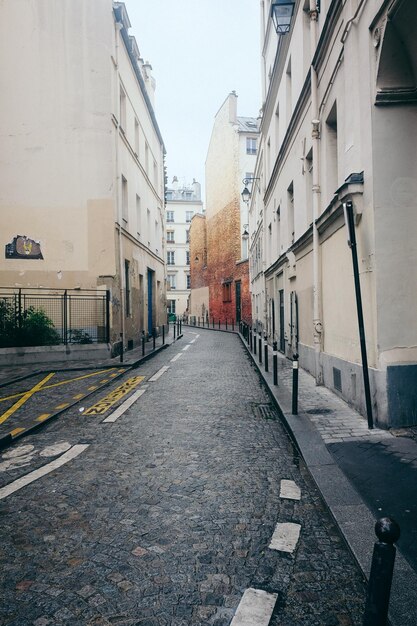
point(219, 241)
point(182, 203)
point(338, 126)
point(82, 171)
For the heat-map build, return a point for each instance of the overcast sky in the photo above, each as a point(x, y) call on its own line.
point(200, 51)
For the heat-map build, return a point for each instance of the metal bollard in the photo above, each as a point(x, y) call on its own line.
point(143, 343)
point(376, 609)
point(163, 334)
point(180, 327)
point(260, 348)
point(275, 361)
point(212, 319)
point(266, 354)
point(233, 324)
point(121, 347)
point(254, 341)
point(295, 384)
point(226, 323)
point(219, 323)
point(175, 327)
point(154, 337)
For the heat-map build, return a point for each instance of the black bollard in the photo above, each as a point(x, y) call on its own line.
point(295, 385)
point(175, 328)
point(260, 348)
point(275, 361)
point(212, 319)
point(219, 323)
point(154, 337)
point(121, 347)
point(376, 609)
point(266, 354)
point(226, 323)
point(180, 327)
point(254, 341)
point(233, 324)
point(143, 343)
point(163, 334)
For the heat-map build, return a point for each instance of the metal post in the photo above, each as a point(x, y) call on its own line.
point(275, 361)
point(175, 328)
point(266, 355)
point(254, 341)
point(143, 343)
point(226, 323)
point(180, 327)
point(233, 324)
point(295, 385)
point(376, 609)
point(154, 337)
point(65, 316)
point(121, 348)
point(108, 316)
point(163, 334)
point(212, 319)
point(260, 348)
point(350, 222)
point(219, 323)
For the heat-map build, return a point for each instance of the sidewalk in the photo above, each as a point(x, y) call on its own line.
point(131, 358)
point(362, 474)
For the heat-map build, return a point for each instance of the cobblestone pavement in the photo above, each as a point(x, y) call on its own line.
point(165, 516)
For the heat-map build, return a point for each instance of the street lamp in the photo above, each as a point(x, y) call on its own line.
point(281, 13)
point(246, 194)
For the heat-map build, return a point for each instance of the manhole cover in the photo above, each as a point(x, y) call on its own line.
point(265, 411)
point(319, 411)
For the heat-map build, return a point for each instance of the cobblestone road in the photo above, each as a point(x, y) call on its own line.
point(167, 514)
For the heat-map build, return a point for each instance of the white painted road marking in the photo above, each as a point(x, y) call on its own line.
point(285, 537)
point(42, 471)
point(158, 375)
point(290, 490)
point(176, 357)
point(255, 608)
point(186, 348)
point(124, 407)
point(194, 340)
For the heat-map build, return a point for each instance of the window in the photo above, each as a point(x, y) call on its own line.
point(136, 137)
point(308, 171)
point(171, 306)
point(169, 195)
point(187, 236)
point(138, 215)
point(125, 208)
point(331, 152)
point(148, 225)
point(188, 278)
point(170, 216)
point(170, 236)
point(187, 261)
point(251, 145)
point(171, 257)
point(227, 292)
point(171, 280)
point(127, 289)
point(188, 195)
point(122, 104)
point(288, 89)
point(188, 216)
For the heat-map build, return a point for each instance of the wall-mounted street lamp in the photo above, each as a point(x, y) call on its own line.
point(246, 194)
point(281, 13)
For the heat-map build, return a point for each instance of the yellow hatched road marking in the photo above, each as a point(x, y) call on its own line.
point(24, 398)
point(63, 382)
point(92, 388)
point(107, 402)
point(16, 431)
point(78, 396)
point(62, 406)
point(43, 417)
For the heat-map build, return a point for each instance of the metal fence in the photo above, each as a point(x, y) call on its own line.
point(33, 317)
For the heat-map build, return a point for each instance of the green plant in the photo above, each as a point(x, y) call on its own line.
point(33, 328)
point(79, 336)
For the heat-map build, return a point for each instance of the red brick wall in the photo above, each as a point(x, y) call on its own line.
point(198, 252)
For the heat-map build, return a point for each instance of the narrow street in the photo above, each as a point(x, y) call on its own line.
point(164, 514)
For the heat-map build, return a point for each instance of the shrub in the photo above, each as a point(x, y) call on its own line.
point(35, 328)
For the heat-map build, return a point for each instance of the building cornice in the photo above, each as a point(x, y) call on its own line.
point(277, 265)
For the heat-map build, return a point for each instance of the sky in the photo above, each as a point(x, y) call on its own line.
point(200, 51)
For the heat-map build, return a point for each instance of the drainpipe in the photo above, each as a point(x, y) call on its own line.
point(118, 27)
point(317, 324)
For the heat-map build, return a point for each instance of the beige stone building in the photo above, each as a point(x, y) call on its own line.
point(82, 169)
point(182, 203)
point(339, 124)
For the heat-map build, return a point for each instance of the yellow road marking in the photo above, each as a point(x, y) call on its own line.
point(24, 398)
point(43, 417)
point(105, 403)
point(92, 388)
point(105, 380)
point(62, 406)
point(16, 431)
point(78, 396)
point(63, 382)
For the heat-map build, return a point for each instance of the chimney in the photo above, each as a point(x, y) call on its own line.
point(233, 107)
point(174, 185)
